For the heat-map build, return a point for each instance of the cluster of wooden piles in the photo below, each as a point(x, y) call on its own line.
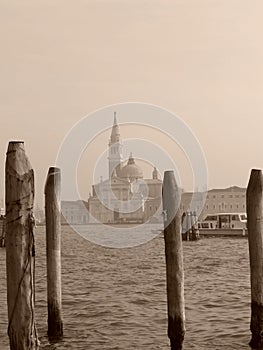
point(190, 230)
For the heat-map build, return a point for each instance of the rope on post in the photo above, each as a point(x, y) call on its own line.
point(20, 249)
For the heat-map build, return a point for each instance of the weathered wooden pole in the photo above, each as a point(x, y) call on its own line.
point(255, 239)
point(194, 236)
point(189, 225)
point(53, 248)
point(174, 261)
point(2, 231)
point(20, 249)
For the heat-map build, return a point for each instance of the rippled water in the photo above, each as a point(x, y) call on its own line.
point(116, 298)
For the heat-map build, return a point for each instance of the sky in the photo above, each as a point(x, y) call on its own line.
point(201, 60)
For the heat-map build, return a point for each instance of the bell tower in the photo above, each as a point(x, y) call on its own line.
point(115, 149)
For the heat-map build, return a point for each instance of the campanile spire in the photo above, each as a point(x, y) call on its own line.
point(115, 148)
point(115, 131)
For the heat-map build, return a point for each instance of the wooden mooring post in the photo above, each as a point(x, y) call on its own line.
point(2, 231)
point(174, 261)
point(20, 249)
point(254, 199)
point(53, 251)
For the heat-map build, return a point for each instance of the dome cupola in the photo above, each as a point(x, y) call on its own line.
point(131, 171)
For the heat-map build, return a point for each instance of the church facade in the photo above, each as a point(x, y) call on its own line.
point(126, 196)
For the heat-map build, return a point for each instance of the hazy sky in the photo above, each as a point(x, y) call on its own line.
point(200, 59)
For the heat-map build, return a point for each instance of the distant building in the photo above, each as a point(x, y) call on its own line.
point(226, 200)
point(74, 212)
point(125, 197)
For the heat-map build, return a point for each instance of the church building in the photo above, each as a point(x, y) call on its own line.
point(126, 196)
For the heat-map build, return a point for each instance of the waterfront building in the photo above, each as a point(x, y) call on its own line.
point(225, 200)
point(221, 200)
point(74, 212)
point(126, 196)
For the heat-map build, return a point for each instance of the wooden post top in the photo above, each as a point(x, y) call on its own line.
point(15, 142)
point(53, 183)
point(14, 146)
point(171, 198)
point(17, 162)
point(255, 180)
point(53, 170)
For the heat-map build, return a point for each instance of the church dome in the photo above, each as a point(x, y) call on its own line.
point(131, 171)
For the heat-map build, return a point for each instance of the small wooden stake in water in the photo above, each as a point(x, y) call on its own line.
point(53, 245)
point(255, 240)
point(174, 261)
point(20, 249)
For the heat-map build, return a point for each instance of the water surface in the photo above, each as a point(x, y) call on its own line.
point(116, 298)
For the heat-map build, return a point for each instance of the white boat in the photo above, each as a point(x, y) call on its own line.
point(224, 224)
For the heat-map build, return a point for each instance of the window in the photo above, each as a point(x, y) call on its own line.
point(211, 218)
point(224, 218)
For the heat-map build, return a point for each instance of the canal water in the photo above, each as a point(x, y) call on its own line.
point(116, 298)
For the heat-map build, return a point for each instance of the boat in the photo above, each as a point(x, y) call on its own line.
point(224, 225)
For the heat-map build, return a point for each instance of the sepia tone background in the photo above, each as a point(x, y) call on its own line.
point(202, 60)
